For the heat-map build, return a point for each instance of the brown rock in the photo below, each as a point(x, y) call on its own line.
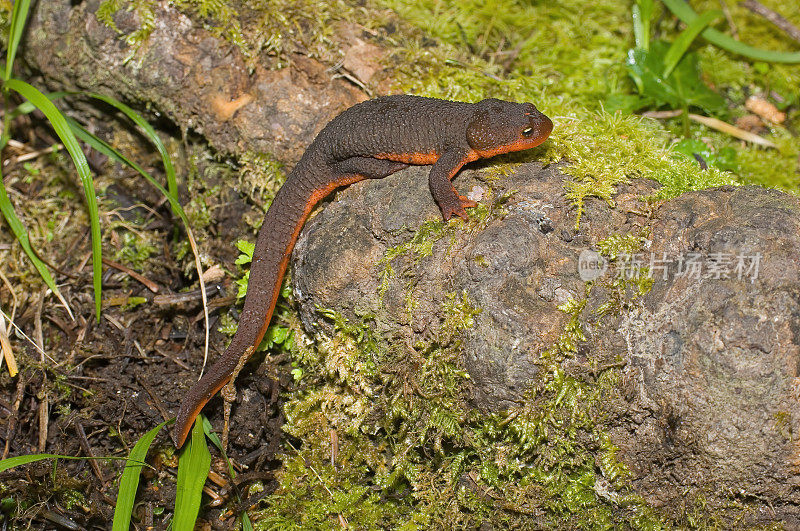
point(708, 400)
point(196, 79)
point(715, 354)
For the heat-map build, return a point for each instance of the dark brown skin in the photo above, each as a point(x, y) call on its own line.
point(370, 140)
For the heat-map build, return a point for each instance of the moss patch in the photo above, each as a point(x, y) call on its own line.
point(385, 436)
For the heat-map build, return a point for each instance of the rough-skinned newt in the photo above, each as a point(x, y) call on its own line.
point(370, 140)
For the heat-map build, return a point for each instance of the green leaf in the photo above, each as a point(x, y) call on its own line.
point(683, 11)
point(18, 17)
point(169, 169)
point(129, 482)
point(685, 39)
point(62, 129)
point(246, 249)
point(681, 89)
point(724, 159)
point(691, 89)
point(642, 14)
point(626, 103)
point(193, 467)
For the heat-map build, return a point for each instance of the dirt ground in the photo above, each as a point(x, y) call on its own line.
point(96, 387)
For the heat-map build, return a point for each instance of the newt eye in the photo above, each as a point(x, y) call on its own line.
point(527, 132)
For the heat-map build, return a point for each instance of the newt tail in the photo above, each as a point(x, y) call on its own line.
point(371, 140)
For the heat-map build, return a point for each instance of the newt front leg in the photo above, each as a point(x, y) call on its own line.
point(442, 189)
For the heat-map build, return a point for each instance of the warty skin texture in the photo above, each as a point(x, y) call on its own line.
point(370, 140)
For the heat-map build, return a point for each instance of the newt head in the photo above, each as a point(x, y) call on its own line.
point(499, 126)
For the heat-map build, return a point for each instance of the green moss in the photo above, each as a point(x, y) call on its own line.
point(573, 46)
point(617, 244)
point(388, 436)
point(136, 248)
point(73, 498)
point(580, 48)
point(631, 278)
point(260, 176)
point(145, 13)
point(774, 168)
point(258, 28)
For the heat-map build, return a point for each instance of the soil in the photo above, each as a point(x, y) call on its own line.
point(99, 386)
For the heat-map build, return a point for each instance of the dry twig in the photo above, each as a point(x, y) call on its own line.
point(760, 9)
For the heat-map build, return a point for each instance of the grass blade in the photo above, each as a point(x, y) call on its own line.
point(11, 462)
point(28, 107)
point(21, 233)
point(18, 17)
point(169, 169)
point(683, 11)
point(62, 129)
point(129, 482)
point(642, 14)
point(685, 39)
point(193, 467)
point(214, 438)
point(109, 151)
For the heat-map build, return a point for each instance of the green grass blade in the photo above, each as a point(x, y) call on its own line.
point(642, 14)
point(129, 482)
point(62, 129)
point(28, 107)
point(109, 151)
point(193, 467)
point(683, 11)
point(172, 181)
point(18, 17)
point(11, 462)
point(208, 430)
point(684, 40)
point(21, 233)
point(172, 186)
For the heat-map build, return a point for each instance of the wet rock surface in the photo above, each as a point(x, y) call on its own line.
point(714, 350)
point(707, 399)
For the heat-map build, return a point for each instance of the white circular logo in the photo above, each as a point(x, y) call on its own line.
point(591, 265)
